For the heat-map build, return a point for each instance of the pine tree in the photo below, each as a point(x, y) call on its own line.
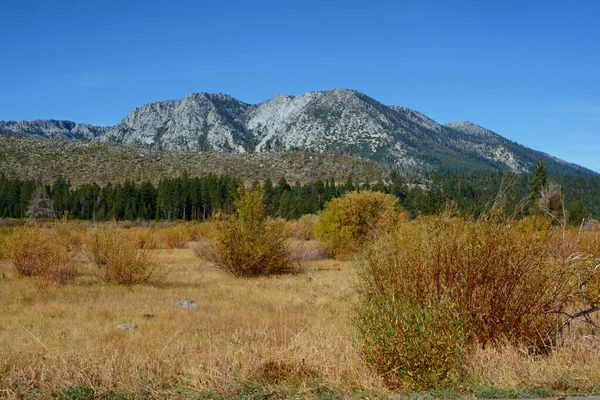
point(268, 193)
point(540, 179)
point(577, 213)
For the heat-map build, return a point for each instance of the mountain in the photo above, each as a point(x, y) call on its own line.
point(52, 129)
point(339, 121)
point(82, 162)
point(200, 121)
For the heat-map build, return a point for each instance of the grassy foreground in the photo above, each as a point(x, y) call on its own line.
point(286, 336)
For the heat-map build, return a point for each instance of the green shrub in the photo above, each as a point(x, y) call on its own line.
point(246, 244)
point(346, 222)
point(413, 345)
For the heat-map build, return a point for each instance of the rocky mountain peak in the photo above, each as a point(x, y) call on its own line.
point(471, 129)
point(339, 121)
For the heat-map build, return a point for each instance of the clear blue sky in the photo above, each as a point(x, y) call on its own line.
point(528, 70)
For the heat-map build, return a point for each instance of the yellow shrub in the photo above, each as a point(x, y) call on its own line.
point(347, 222)
point(72, 233)
point(40, 252)
point(3, 240)
point(502, 280)
point(246, 244)
point(303, 228)
point(145, 238)
point(175, 237)
point(580, 250)
point(118, 258)
point(197, 231)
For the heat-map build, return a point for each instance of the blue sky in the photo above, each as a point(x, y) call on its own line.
point(525, 69)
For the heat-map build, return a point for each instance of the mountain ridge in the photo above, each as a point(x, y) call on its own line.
point(338, 121)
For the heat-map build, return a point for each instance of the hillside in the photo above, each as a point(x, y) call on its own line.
point(104, 162)
point(340, 121)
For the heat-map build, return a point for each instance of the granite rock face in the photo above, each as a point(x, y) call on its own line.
point(339, 121)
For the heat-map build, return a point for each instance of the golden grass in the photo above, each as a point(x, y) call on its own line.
point(285, 330)
point(574, 366)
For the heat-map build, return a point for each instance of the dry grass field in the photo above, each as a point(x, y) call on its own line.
point(286, 331)
point(284, 336)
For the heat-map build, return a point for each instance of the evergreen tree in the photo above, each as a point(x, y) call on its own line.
point(268, 194)
point(540, 179)
point(577, 213)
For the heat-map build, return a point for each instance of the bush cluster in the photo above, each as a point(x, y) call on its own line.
point(40, 252)
point(485, 281)
point(347, 222)
point(118, 258)
point(246, 243)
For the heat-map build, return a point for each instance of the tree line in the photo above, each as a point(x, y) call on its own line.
point(199, 198)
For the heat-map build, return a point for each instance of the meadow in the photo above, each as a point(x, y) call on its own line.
point(85, 335)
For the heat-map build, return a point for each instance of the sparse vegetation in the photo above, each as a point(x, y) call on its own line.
point(109, 162)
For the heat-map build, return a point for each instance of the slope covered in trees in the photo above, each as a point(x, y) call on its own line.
point(197, 198)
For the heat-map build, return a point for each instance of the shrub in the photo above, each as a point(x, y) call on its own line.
point(414, 345)
point(246, 244)
point(40, 252)
point(500, 278)
point(118, 259)
point(197, 231)
point(72, 233)
point(176, 237)
point(100, 241)
point(304, 228)
point(3, 240)
point(346, 222)
point(307, 250)
point(144, 238)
